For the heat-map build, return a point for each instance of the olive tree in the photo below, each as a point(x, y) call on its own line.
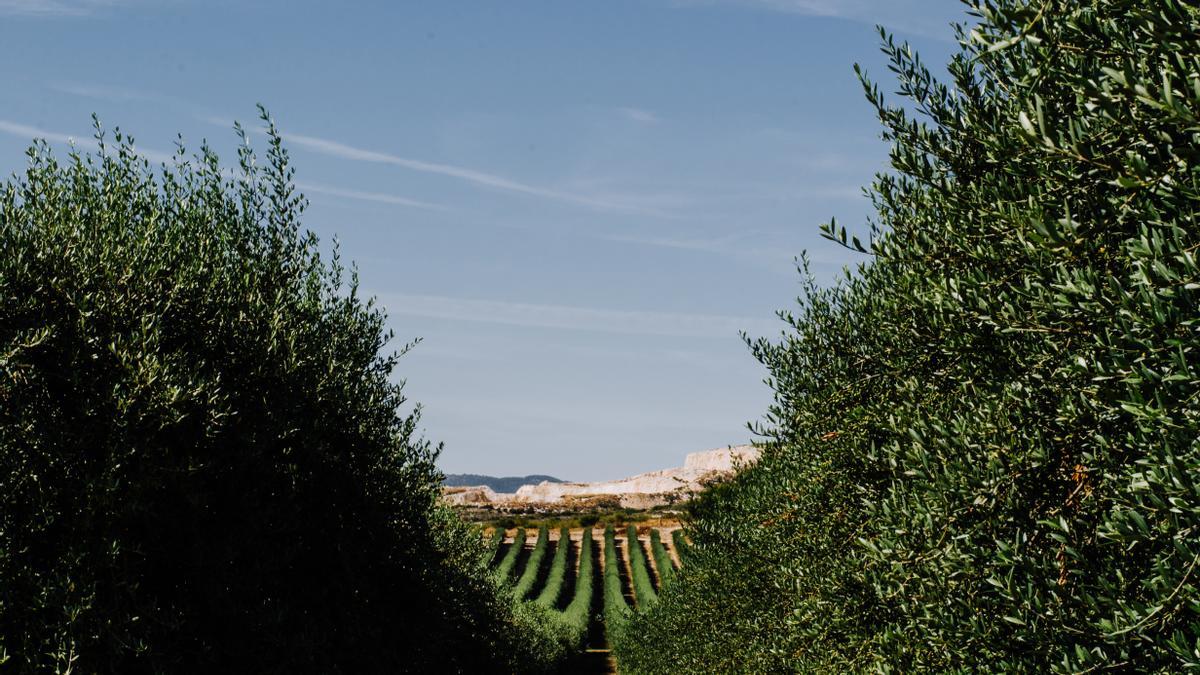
point(206, 463)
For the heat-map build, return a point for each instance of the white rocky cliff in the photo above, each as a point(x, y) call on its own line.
point(640, 491)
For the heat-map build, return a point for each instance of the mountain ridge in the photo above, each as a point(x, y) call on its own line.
point(641, 491)
point(496, 483)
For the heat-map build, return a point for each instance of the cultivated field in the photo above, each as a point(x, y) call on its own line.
point(592, 579)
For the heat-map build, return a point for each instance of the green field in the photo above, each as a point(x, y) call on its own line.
point(590, 569)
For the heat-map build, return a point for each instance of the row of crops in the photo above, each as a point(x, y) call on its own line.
point(590, 585)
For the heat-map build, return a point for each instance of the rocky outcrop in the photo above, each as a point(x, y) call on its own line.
point(697, 467)
point(641, 491)
point(475, 495)
point(723, 459)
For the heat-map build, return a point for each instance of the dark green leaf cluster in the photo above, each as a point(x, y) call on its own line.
point(555, 578)
point(662, 559)
point(493, 545)
point(533, 565)
point(508, 562)
point(616, 608)
point(680, 542)
point(203, 463)
point(982, 454)
point(578, 613)
point(562, 632)
point(643, 587)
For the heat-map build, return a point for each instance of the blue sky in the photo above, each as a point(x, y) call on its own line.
point(577, 205)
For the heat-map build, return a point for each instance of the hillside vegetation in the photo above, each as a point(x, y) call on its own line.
point(204, 462)
point(499, 484)
point(983, 450)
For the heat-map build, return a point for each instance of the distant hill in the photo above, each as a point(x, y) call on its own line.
point(505, 484)
point(643, 491)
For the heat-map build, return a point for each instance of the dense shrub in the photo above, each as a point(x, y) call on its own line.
point(662, 559)
point(616, 608)
point(203, 463)
point(493, 544)
point(681, 545)
point(557, 573)
point(533, 566)
point(983, 448)
point(577, 614)
point(643, 587)
point(505, 568)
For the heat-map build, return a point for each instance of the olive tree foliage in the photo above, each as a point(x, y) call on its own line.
point(204, 462)
point(983, 451)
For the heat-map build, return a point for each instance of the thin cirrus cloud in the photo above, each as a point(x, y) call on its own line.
point(53, 8)
point(29, 132)
point(111, 93)
point(341, 150)
point(916, 17)
point(632, 204)
point(565, 317)
point(731, 246)
point(378, 197)
point(639, 115)
point(713, 245)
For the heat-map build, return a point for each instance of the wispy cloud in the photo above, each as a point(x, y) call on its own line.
point(814, 7)
point(52, 8)
point(917, 17)
point(29, 133)
point(359, 195)
point(714, 245)
point(625, 203)
point(120, 94)
point(108, 92)
point(732, 246)
point(639, 115)
point(490, 180)
point(573, 318)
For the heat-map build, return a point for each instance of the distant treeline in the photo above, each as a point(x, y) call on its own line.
point(505, 484)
